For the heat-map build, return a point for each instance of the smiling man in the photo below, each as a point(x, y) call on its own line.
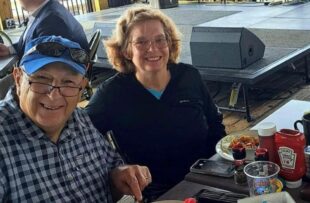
point(49, 149)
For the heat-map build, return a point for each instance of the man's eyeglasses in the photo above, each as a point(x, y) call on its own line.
point(143, 45)
point(56, 49)
point(43, 88)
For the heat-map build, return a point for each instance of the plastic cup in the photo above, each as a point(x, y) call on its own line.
point(262, 177)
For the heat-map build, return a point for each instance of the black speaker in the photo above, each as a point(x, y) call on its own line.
point(219, 47)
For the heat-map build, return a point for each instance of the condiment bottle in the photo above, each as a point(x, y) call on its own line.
point(239, 155)
point(261, 154)
point(266, 133)
point(290, 146)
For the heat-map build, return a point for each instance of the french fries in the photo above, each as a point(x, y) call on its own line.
point(246, 141)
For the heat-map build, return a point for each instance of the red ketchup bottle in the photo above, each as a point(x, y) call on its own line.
point(290, 146)
point(266, 135)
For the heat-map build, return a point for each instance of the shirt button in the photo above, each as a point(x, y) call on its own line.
point(70, 177)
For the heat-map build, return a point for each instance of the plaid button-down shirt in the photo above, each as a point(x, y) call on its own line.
point(34, 169)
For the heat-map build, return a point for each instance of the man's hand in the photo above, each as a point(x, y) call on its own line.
point(130, 180)
point(4, 50)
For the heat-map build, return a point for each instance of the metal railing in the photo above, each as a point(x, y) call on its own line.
point(76, 7)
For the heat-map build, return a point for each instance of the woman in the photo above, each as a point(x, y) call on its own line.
point(159, 110)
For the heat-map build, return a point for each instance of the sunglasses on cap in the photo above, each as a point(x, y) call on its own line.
point(56, 49)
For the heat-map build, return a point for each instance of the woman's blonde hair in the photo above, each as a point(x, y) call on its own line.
point(117, 45)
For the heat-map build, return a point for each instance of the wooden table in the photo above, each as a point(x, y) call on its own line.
point(286, 115)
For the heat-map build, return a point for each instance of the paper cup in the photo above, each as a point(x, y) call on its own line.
point(262, 177)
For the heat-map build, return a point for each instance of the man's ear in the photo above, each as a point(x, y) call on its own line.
point(17, 75)
point(86, 90)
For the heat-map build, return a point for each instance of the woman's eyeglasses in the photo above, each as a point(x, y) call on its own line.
point(56, 49)
point(143, 45)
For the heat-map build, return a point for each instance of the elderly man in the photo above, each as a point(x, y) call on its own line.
point(49, 149)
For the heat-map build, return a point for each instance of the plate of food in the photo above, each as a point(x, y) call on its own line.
point(248, 139)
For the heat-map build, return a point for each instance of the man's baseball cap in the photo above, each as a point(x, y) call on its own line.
point(49, 49)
